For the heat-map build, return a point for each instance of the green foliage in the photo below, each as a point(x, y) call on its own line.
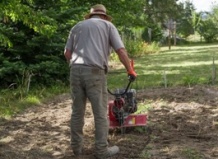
point(185, 29)
point(156, 33)
point(143, 108)
point(33, 43)
point(208, 30)
point(138, 48)
point(36, 20)
point(161, 11)
point(154, 47)
point(4, 40)
point(190, 80)
point(190, 20)
point(125, 16)
point(208, 26)
point(114, 57)
point(135, 48)
point(146, 154)
point(196, 20)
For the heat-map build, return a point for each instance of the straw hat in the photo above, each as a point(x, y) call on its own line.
point(98, 9)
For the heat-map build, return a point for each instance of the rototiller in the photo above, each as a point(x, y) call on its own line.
point(121, 110)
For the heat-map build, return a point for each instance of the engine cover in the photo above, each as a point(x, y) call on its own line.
point(129, 103)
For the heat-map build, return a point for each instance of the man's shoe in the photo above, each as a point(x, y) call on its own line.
point(112, 151)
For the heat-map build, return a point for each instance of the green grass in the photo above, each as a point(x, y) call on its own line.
point(182, 65)
point(13, 101)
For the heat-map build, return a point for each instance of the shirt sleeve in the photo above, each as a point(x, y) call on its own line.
point(115, 38)
point(69, 44)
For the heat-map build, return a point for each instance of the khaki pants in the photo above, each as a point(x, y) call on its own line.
point(89, 83)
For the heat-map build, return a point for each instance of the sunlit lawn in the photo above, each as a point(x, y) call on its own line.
point(182, 65)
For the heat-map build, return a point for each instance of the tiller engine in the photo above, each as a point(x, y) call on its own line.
point(121, 110)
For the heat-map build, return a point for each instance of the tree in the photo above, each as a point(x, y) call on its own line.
point(187, 24)
point(159, 11)
point(209, 25)
point(33, 41)
point(33, 34)
point(159, 14)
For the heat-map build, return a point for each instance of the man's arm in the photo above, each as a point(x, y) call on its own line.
point(124, 59)
point(67, 54)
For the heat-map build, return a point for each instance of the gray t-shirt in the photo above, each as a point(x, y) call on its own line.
point(91, 40)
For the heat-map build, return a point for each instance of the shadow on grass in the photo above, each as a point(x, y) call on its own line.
point(183, 66)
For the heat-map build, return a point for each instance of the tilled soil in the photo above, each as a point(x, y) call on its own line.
point(182, 124)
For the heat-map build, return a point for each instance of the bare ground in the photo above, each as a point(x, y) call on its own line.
point(183, 123)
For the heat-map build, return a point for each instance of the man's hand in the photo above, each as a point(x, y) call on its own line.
point(128, 65)
point(67, 54)
point(132, 75)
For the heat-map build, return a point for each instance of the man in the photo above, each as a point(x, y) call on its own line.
point(87, 49)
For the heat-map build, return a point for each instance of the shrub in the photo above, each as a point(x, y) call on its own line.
point(137, 48)
point(208, 30)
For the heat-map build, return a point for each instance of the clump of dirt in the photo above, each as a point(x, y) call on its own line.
point(182, 124)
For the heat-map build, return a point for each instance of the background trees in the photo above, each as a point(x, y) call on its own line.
point(208, 28)
point(33, 35)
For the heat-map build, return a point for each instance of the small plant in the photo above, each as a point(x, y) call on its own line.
point(143, 108)
point(193, 80)
point(190, 80)
point(145, 153)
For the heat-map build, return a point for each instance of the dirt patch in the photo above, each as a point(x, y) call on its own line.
point(183, 123)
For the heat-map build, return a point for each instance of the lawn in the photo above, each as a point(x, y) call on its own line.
point(182, 65)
